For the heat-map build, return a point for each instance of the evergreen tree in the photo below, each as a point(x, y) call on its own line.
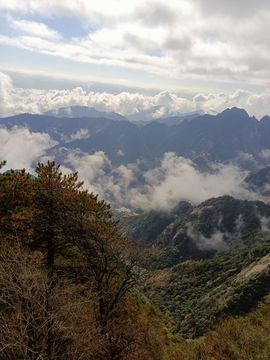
point(79, 252)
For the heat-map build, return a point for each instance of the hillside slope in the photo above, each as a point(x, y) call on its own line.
point(197, 295)
point(218, 225)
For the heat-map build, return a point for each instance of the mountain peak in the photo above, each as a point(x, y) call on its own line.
point(265, 119)
point(235, 111)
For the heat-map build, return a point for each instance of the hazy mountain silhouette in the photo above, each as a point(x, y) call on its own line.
point(77, 111)
point(219, 137)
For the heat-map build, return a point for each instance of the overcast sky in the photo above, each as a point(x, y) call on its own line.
point(185, 47)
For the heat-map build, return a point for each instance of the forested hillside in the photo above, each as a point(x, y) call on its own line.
point(217, 225)
point(66, 274)
point(74, 287)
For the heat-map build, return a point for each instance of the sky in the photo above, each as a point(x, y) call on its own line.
point(192, 54)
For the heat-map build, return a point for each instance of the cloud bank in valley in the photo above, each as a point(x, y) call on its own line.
point(175, 179)
point(215, 242)
point(16, 100)
point(23, 149)
point(162, 187)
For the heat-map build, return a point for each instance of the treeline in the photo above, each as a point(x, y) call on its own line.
point(67, 274)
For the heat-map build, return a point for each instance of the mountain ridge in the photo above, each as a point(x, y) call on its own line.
point(223, 137)
point(217, 225)
point(77, 111)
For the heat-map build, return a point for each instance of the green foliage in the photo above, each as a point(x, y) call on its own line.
point(238, 338)
point(196, 295)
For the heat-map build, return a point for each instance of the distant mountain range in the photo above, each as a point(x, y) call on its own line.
point(77, 111)
point(154, 114)
point(140, 118)
point(229, 136)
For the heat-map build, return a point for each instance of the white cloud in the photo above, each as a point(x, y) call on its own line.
point(177, 178)
point(33, 28)
point(120, 152)
point(241, 8)
point(21, 148)
point(215, 242)
point(15, 101)
point(6, 100)
point(101, 177)
point(80, 135)
point(185, 39)
point(265, 154)
point(162, 187)
point(91, 168)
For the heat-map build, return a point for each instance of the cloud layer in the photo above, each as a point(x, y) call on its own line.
point(15, 100)
point(23, 149)
point(220, 40)
point(174, 180)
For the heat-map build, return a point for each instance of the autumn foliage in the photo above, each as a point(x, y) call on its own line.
point(66, 274)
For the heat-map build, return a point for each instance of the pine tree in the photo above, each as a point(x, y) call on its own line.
point(80, 257)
